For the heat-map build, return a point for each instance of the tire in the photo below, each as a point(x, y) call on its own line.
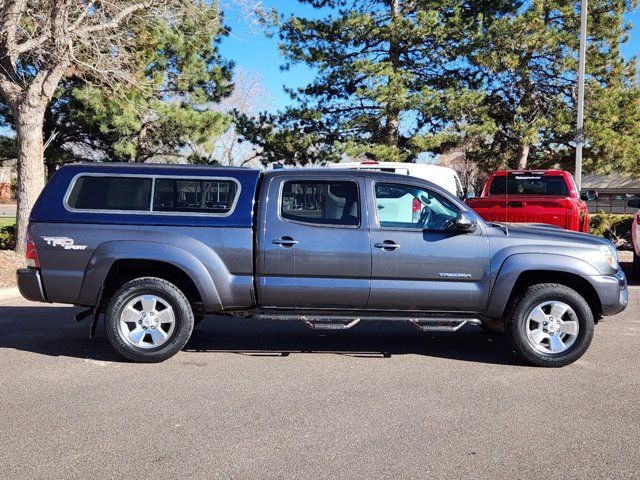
point(492, 325)
point(148, 320)
point(635, 273)
point(547, 337)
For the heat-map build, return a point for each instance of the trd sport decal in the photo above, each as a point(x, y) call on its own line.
point(64, 242)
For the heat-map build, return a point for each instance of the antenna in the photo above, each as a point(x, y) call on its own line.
point(506, 196)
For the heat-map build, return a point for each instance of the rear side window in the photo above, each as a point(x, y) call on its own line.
point(198, 196)
point(321, 202)
point(110, 193)
point(529, 184)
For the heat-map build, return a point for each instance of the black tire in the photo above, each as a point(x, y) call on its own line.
point(492, 325)
point(169, 294)
point(635, 273)
point(520, 309)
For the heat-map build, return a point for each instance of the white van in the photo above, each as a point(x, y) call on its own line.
point(444, 177)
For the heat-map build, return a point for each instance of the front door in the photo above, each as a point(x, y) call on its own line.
point(419, 260)
point(315, 245)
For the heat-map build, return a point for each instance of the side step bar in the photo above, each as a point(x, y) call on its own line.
point(345, 322)
point(319, 323)
point(442, 324)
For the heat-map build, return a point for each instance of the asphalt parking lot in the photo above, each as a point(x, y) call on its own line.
point(250, 399)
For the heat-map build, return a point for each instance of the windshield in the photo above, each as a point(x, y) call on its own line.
point(529, 184)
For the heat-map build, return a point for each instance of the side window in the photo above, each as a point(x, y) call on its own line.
point(110, 193)
point(321, 202)
point(199, 196)
point(406, 206)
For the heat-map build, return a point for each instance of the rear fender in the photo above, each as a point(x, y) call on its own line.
point(109, 252)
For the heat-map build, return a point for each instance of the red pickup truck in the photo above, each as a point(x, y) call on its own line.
point(534, 196)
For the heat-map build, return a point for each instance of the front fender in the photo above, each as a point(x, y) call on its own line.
point(109, 252)
point(514, 265)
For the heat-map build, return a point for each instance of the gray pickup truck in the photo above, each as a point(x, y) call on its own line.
point(156, 247)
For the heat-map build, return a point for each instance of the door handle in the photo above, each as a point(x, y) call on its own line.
point(387, 245)
point(285, 241)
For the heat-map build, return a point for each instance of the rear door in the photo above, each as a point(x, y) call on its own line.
point(314, 246)
point(419, 260)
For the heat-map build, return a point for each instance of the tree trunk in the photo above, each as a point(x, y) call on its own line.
point(392, 127)
point(29, 122)
point(524, 156)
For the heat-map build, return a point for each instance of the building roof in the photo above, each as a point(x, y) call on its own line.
point(617, 182)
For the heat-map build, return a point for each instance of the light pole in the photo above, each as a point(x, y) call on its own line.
point(580, 122)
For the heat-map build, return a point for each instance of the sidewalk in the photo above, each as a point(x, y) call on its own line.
point(7, 210)
point(8, 293)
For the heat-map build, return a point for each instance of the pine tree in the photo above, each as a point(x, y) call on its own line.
point(526, 65)
point(392, 79)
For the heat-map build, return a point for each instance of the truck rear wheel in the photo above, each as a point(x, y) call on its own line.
point(148, 320)
point(550, 325)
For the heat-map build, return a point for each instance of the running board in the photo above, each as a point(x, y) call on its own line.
point(345, 322)
point(318, 323)
point(333, 323)
point(442, 324)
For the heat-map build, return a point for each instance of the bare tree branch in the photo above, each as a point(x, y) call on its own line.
point(115, 22)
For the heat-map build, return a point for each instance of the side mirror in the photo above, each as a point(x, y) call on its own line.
point(589, 195)
point(465, 222)
point(634, 203)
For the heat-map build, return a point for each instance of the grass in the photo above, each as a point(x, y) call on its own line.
point(7, 221)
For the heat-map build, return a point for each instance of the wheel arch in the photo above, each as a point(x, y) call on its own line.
point(571, 280)
point(521, 271)
point(115, 263)
point(124, 270)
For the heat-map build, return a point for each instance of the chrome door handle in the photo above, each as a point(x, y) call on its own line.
point(387, 245)
point(285, 241)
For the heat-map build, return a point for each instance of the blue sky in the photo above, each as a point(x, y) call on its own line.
point(256, 53)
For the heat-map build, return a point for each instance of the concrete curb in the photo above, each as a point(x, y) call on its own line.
point(7, 293)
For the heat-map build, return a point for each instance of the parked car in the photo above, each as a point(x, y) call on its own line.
point(155, 247)
point(444, 177)
point(534, 196)
point(635, 236)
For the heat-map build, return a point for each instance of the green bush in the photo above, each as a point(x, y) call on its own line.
point(615, 227)
point(8, 237)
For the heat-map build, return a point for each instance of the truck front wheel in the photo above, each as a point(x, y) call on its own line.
point(148, 320)
point(550, 325)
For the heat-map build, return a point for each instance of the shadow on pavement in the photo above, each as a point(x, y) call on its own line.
point(54, 332)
